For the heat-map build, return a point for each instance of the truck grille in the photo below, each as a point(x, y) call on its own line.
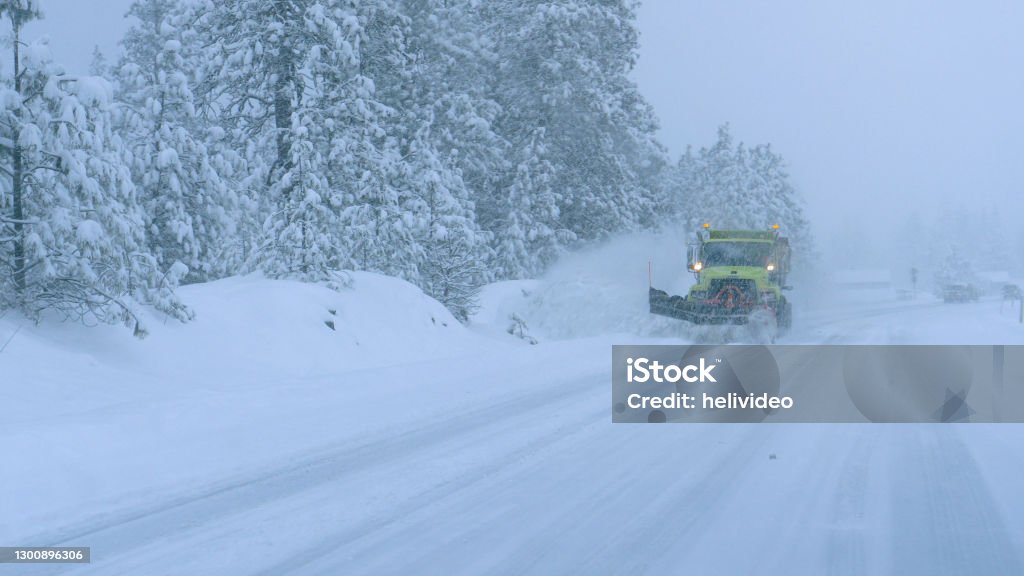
point(733, 292)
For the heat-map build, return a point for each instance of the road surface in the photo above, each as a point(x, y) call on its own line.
point(533, 478)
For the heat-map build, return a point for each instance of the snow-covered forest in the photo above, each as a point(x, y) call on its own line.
point(305, 287)
point(447, 143)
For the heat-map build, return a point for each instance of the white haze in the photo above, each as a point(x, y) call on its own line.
point(881, 109)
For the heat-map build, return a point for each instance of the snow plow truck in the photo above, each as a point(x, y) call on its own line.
point(740, 274)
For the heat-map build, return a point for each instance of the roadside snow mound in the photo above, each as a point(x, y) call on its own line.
point(304, 329)
point(247, 327)
point(256, 379)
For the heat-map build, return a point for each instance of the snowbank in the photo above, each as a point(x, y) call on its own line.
point(250, 321)
point(96, 420)
point(251, 325)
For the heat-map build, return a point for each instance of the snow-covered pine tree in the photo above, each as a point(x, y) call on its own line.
point(190, 210)
point(228, 149)
point(452, 267)
point(19, 12)
point(563, 86)
point(290, 82)
point(369, 149)
point(433, 121)
point(682, 183)
point(720, 181)
point(446, 84)
point(954, 268)
point(527, 239)
point(780, 199)
point(99, 66)
point(252, 57)
point(991, 250)
point(73, 236)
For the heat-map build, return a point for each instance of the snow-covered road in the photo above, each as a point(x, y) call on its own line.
point(504, 460)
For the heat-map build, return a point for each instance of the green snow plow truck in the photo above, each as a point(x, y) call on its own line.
point(740, 274)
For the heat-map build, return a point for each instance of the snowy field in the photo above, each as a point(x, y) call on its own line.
point(260, 440)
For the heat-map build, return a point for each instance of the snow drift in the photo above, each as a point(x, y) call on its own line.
point(268, 368)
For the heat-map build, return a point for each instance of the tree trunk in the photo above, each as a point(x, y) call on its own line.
point(17, 192)
point(283, 88)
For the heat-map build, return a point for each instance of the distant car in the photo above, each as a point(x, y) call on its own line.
point(961, 292)
point(1012, 292)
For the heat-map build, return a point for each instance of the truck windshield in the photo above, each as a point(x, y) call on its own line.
point(736, 253)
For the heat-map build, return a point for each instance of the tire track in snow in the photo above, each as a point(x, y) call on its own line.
point(791, 504)
point(694, 479)
point(320, 558)
point(672, 524)
point(846, 550)
point(135, 529)
point(685, 506)
point(944, 519)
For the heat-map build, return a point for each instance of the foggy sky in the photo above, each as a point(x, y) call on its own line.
point(877, 106)
point(75, 27)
